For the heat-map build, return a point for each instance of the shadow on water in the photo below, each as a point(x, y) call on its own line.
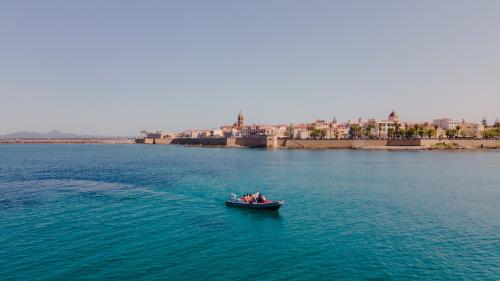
point(255, 214)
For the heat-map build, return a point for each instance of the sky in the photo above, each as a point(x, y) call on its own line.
point(118, 67)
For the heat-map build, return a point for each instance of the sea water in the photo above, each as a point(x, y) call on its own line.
point(139, 212)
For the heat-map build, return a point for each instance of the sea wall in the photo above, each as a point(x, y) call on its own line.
point(246, 142)
point(398, 142)
point(467, 143)
point(273, 142)
point(200, 141)
point(228, 142)
point(153, 141)
point(343, 143)
point(348, 143)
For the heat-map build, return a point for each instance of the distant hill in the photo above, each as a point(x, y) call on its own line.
point(54, 134)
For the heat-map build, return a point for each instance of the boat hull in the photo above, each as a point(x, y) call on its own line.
point(272, 206)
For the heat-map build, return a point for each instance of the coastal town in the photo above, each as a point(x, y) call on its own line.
point(392, 130)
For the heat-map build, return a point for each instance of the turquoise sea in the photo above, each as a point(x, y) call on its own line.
point(136, 212)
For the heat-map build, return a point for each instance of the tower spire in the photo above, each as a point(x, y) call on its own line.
point(239, 122)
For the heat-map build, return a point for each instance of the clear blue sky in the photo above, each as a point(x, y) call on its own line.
point(116, 67)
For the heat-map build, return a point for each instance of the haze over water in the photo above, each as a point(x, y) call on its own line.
point(128, 212)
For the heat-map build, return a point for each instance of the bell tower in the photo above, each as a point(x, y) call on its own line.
point(239, 123)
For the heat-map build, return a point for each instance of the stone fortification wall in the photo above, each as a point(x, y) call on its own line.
point(200, 141)
point(271, 142)
point(153, 141)
point(396, 142)
point(348, 143)
point(281, 143)
point(344, 143)
point(163, 141)
point(251, 142)
point(478, 143)
point(229, 142)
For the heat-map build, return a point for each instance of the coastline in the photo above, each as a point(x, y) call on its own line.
point(367, 144)
point(426, 148)
point(449, 145)
point(69, 141)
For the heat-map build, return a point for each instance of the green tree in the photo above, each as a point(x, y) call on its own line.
point(397, 127)
point(420, 131)
point(401, 133)
point(322, 133)
point(430, 132)
point(410, 133)
point(492, 133)
point(368, 130)
point(391, 132)
point(318, 133)
point(355, 131)
point(451, 133)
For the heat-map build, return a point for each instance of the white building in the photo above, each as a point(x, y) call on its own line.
point(446, 123)
point(380, 128)
point(280, 131)
point(216, 133)
point(255, 131)
point(300, 131)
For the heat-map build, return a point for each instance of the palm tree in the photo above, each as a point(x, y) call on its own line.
point(401, 133)
point(410, 133)
point(355, 131)
point(390, 133)
point(450, 133)
point(397, 126)
point(322, 133)
point(458, 130)
point(429, 132)
point(484, 122)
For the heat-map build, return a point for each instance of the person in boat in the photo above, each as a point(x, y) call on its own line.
point(253, 198)
point(246, 198)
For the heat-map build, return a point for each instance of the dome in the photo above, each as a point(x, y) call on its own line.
point(393, 114)
point(394, 117)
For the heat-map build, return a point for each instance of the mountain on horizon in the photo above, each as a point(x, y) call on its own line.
point(54, 134)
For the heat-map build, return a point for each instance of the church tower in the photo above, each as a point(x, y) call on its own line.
point(239, 123)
